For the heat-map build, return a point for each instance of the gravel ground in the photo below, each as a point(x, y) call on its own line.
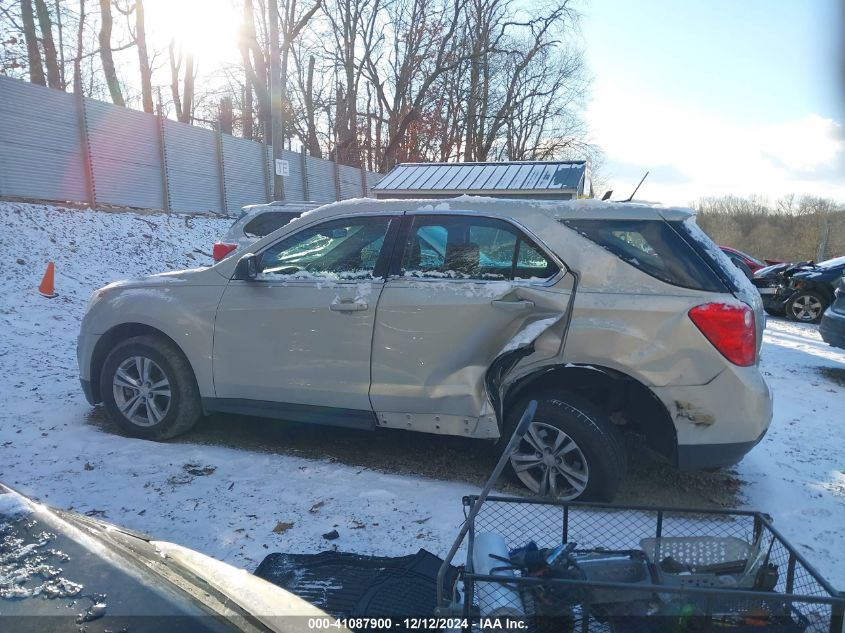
point(439, 457)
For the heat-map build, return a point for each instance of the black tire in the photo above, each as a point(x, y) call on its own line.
point(798, 308)
point(599, 441)
point(184, 406)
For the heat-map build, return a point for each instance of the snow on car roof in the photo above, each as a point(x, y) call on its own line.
point(557, 209)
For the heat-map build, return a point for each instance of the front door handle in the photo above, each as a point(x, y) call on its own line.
point(516, 306)
point(348, 305)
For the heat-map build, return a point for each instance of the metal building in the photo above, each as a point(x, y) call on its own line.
point(554, 180)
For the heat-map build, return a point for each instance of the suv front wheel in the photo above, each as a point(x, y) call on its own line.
point(148, 388)
point(571, 451)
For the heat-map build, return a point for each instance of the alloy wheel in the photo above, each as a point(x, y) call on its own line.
point(550, 463)
point(141, 391)
point(806, 308)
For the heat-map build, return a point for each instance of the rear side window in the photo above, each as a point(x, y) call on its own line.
point(654, 247)
point(265, 223)
point(470, 247)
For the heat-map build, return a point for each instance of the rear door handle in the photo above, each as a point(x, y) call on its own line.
point(517, 306)
point(348, 306)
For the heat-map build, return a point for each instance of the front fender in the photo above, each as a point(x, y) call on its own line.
point(183, 313)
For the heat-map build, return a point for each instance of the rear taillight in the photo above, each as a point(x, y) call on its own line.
point(730, 328)
point(221, 249)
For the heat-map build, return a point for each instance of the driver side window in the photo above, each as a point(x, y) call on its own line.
point(338, 250)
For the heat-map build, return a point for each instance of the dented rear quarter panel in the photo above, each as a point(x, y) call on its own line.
point(626, 320)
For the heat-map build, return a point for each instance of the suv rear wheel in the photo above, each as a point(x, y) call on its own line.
point(806, 306)
point(148, 388)
point(571, 451)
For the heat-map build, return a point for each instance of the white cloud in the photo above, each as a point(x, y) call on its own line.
point(709, 155)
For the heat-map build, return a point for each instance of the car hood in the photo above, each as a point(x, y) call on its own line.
point(203, 276)
point(778, 269)
point(817, 273)
point(83, 571)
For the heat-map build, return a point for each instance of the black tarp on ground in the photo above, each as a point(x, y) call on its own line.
point(352, 585)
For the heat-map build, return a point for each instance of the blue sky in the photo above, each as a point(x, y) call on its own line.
point(718, 97)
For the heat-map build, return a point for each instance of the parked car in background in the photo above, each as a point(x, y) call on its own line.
point(256, 221)
point(801, 291)
point(769, 281)
point(832, 326)
point(63, 571)
point(447, 318)
point(745, 260)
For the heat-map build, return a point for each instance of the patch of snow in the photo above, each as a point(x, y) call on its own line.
point(12, 507)
point(738, 278)
point(529, 334)
point(442, 206)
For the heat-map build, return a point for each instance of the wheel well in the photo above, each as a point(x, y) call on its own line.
point(630, 405)
point(107, 343)
point(821, 288)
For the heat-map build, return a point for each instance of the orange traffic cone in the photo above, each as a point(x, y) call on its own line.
point(47, 287)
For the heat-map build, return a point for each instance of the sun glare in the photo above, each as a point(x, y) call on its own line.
point(207, 28)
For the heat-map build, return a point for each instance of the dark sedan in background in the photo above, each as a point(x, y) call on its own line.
point(832, 327)
point(801, 291)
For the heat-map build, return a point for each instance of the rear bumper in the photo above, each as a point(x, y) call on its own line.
point(718, 423)
point(832, 328)
point(707, 456)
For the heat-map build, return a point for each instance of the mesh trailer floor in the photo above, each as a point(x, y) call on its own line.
point(772, 588)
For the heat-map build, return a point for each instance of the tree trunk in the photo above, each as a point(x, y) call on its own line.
point(106, 53)
point(226, 116)
point(188, 91)
point(51, 59)
point(77, 60)
point(256, 75)
point(246, 112)
point(36, 70)
point(143, 57)
point(61, 45)
point(175, 65)
point(310, 116)
point(275, 96)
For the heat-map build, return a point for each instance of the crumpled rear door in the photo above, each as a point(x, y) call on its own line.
point(434, 341)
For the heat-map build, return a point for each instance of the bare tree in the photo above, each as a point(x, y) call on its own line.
point(310, 115)
point(143, 57)
point(58, 9)
point(36, 68)
point(77, 60)
point(427, 50)
point(286, 23)
point(255, 65)
point(51, 58)
point(352, 26)
point(183, 103)
point(106, 57)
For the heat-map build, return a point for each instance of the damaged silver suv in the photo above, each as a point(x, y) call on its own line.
point(446, 317)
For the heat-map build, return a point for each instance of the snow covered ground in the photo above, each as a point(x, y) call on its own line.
point(238, 505)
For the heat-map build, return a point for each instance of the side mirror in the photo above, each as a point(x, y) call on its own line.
point(247, 267)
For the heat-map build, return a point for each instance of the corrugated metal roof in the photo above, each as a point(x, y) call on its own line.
point(555, 176)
